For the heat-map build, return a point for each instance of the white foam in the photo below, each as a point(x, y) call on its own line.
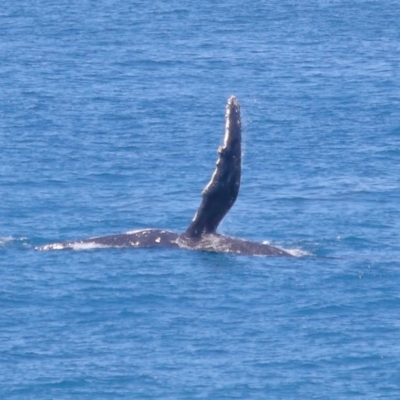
point(6, 239)
point(72, 246)
point(11, 240)
point(296, 252)
point(55, 246)
point(87, 246)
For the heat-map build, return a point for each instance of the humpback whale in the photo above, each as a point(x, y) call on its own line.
point(218, 197)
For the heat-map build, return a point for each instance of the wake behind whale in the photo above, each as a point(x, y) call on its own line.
point(219, 195)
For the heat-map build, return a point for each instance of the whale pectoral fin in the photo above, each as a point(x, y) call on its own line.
point(221, 192)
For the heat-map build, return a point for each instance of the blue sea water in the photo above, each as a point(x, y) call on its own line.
point(110, 116)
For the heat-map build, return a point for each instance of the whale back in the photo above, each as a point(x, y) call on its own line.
point(221, 192)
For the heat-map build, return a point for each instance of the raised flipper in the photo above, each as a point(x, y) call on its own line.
point(222, 190)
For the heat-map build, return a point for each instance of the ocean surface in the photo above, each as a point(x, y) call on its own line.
point(111, 113)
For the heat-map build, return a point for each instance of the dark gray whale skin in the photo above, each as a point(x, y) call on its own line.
point(218, 197)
